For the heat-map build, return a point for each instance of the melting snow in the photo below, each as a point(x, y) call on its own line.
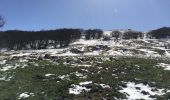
point(2, 62)
point(6, 68)
point(23, 60)
point(64, 76)
point(2, 78)
point(20, 54)
point(112, 52)
point(104, 86)
point(78, 74)
point(47, 75)
point(85, 83)
point(5, 78)
point(84, 65)
point(85, 42)
point(93, 53)
point(134, 91)
point(107, 33)
point(77, 89)
point(148, 51)
point(116, 48)
point(165, 66)
point(25, 95)
point(68, 54)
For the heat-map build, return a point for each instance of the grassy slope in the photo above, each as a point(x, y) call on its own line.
point(32, 79)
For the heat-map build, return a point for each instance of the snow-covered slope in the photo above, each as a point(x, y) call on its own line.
point(91, 68)
point(105, 47)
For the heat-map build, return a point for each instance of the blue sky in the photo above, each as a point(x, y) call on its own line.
point(140, 15)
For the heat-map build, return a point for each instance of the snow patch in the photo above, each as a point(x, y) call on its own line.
point(2, 78)
point(165, 66)
point(104, 86)
point(92, 53)
point(77, 89)
point(134, 91)
point(68, 53)
point(20, 54)
point(78, 74)
point(85, 83)
point(64, 76)
point(25, 95)
point(6, 68)
point(3, 62)
point(5, 78)
point(48, 75)
point(23, 60)
point(84, 65)
point(107, 33)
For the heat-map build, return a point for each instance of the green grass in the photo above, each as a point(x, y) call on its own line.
point(32, 78)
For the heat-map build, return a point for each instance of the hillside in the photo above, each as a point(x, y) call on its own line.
point(85, 65)
point(89, 43)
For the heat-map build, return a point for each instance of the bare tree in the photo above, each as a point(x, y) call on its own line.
point(2, 21)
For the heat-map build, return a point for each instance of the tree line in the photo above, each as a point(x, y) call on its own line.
point(160, 33)
point(19, 40)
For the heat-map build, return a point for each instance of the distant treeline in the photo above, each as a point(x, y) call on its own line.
point(19, 40)
point(59, 38)
point(160, 33)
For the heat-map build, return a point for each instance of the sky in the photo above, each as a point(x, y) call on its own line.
point(142, 15)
